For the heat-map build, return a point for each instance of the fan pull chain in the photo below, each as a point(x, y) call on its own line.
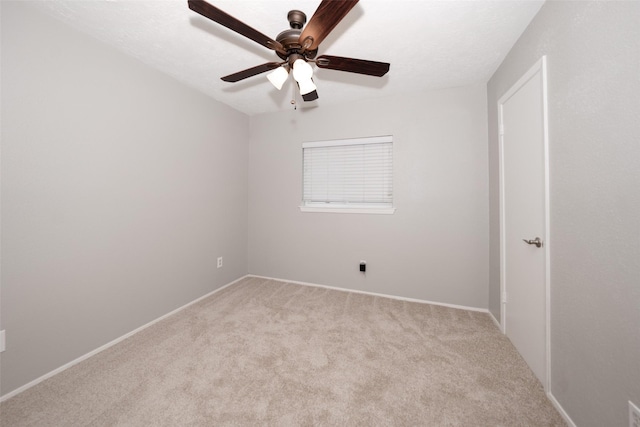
point(293, 97)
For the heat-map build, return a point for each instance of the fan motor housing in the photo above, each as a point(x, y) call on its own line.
point(290, 38)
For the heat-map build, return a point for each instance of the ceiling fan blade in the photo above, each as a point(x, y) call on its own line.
point(209, 11)
point(360, 66)
point(325, 18)
point(250, 72)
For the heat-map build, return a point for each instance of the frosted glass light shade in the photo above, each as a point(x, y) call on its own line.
point(278, 77)
point(303, 72)
point(306, 86)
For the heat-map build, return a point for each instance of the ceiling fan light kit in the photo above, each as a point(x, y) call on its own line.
point(297, 46)
point(278, 76)
point(311, 96)
point(302, 73)
point(307, 86)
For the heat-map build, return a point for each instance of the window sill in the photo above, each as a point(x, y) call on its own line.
point(383, 211)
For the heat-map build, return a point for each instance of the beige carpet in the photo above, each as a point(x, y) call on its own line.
point(271, 353)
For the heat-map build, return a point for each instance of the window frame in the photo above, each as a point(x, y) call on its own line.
point(359, 208)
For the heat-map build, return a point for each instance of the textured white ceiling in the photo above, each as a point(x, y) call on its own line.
point(430, 44)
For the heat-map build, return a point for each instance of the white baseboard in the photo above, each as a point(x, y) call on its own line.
point(48, 375)
point(109, 344)
point(496, 321)
point(550, 396)
point(561, 410)
point(459, 307)
point(129, 334)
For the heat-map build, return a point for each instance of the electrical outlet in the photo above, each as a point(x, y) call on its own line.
point(634, 415)
point(2, 341)
point(219, 262)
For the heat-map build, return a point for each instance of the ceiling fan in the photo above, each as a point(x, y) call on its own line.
point(297, 46)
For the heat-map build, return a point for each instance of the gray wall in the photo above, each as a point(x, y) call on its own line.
point(120, 187)
point(593, 52)
point(435, 246)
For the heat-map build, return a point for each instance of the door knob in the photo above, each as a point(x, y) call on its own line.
point(535, 241)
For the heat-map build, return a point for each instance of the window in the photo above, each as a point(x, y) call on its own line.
point(348, 175)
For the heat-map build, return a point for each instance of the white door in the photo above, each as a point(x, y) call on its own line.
point(524, 208)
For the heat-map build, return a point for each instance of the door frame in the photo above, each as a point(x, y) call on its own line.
point(539, 67)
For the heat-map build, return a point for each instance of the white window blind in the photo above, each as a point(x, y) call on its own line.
point(351, 174)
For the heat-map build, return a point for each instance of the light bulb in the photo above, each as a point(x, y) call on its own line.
point(278, 77)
